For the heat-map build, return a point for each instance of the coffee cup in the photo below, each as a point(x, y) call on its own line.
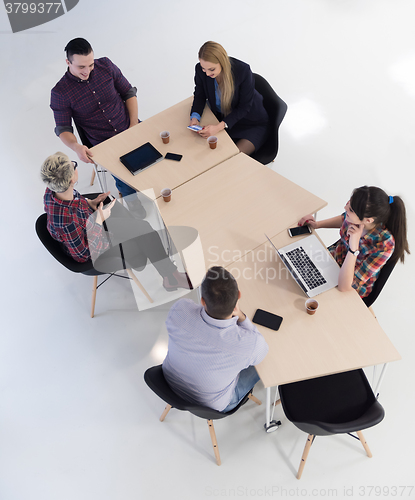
point(311, 306)
point(165, 136)
point(212, 141)
point(166, 194)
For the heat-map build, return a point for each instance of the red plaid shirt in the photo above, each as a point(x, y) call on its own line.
point(375, 249)
point(96, 104)
point(69, 222)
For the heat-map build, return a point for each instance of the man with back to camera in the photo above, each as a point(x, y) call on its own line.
point(213, 347)
point(96, 95)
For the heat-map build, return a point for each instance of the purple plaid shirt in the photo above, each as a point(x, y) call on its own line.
point(375, 248)
point(69, 222)
point(97, 104)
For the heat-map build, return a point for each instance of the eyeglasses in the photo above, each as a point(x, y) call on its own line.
point(75, 164)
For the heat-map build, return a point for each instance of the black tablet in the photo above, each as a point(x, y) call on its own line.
point(141, 158)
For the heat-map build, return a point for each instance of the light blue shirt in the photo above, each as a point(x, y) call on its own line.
point(205, 355)
point(218, 102)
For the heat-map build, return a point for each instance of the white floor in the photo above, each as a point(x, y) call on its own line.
point(76, 418)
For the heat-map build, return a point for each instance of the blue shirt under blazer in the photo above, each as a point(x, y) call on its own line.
point(248, 118)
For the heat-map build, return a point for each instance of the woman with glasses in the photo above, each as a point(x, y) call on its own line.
point(372, 231)
point(77, 223)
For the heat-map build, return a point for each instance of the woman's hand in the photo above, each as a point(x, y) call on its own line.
point(210, 130)
point(309, 220)
point(194, 121)
point(354, 232)
point(103, 214)
point(96, 201)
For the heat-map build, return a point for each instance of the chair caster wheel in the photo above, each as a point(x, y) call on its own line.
point(273, 426)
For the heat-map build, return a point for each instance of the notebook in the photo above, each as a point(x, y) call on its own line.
point(310, 264)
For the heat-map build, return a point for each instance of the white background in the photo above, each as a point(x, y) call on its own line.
point(76, 418)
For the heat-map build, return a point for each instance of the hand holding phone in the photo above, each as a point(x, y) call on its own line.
point(195, 128)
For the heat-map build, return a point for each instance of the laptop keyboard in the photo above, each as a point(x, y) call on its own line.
point(305, 268)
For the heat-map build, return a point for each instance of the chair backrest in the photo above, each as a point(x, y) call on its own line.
point(82, 135)
point(55, 249)
point(383, 277)
point(154, 378)
point(276, 109)
point(334, 404)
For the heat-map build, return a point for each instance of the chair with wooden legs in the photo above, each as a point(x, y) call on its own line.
point(154, 378)
point(87, 268)
point(335, 404)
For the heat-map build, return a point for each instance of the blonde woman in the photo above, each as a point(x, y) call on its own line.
point(83, 237)
point(229, 87)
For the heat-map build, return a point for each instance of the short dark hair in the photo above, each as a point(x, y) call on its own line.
point(220, 292)
point(77, 46)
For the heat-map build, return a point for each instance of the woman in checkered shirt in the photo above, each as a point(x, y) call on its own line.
point(372, 231)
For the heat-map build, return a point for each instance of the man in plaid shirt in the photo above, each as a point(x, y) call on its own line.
point(96, 95)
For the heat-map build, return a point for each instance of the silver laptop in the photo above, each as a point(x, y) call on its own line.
point(310, 264)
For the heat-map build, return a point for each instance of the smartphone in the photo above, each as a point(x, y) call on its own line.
point(195, 128)
point(296, 231)
point(108, 200)
point(267, 319)
point(173, 156)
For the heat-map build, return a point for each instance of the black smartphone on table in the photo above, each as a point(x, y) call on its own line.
point(296, 231)
point(173, 156)
point(265, 318)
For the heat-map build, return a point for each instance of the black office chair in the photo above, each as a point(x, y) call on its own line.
point(276, 109)
point(383, 277)
point(335, 404)
point(154, 378)
point(82, 135)
point(86, 142)
point(87, 268)
point(380, 282)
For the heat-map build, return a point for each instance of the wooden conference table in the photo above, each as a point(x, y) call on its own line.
point(232, 206)
point(232, 201)
point(197, 156)
point(342, 335)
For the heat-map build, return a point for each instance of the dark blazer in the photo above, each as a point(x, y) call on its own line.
point(247, 107)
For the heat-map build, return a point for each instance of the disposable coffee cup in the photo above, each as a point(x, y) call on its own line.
point(165, 136)
point(166, 194)
point(212, 141)
point(311, 306)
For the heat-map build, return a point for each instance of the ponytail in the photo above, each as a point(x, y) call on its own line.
point(371, 201)
point(396, 224)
